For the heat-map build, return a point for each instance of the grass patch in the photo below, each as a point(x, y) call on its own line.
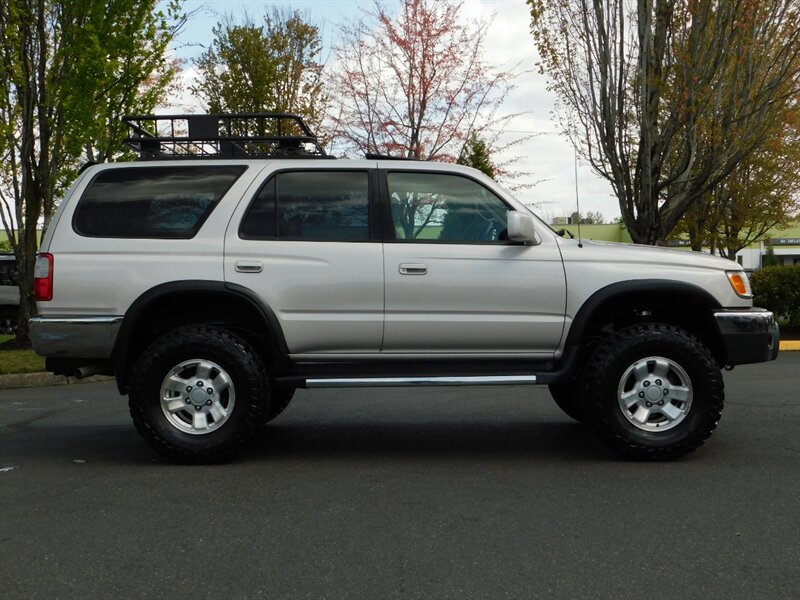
point(19, 361)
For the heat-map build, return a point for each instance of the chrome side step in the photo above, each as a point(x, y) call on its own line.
point(350, 382)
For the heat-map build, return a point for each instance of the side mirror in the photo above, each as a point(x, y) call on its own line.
point(521, 228)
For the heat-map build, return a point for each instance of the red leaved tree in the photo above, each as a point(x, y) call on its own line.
point(416, 85)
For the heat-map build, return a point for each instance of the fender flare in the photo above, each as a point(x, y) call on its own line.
point(119, 355)
point(602, 296)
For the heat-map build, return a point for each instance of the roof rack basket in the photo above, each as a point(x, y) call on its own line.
point(234, 135)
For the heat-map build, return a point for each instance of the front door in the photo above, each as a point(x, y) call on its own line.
point(455, 284)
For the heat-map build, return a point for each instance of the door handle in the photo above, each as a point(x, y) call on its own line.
point(248, 267)
point(413, 269)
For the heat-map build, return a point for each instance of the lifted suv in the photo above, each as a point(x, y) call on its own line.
point(228, 268)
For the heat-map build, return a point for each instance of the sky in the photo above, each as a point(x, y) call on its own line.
point(547, 158)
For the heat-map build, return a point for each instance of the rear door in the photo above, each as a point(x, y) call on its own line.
point(307, 245)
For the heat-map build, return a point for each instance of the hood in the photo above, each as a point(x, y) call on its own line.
point(637, 254)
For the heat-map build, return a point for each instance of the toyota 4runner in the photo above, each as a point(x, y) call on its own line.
point(234, 263)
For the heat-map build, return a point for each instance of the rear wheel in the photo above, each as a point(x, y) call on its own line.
point(198, 394)
point(653, 392)
point(281, 397)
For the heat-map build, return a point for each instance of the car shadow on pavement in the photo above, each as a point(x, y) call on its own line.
point(560, 441)
point(367, 442)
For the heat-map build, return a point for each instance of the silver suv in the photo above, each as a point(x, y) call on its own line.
point(228, 268)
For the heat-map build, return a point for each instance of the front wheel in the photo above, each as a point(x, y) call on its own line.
point(199, 394)
point(568, 398)
point(653, 392)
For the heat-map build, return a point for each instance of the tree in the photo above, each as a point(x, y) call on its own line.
point(590, 218)
point(274, 67)
point(415, 85)
point(476, 154)
point(649, 93)
point(760, 193)
point(67, 70)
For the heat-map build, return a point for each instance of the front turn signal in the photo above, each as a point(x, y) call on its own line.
point(740, 283)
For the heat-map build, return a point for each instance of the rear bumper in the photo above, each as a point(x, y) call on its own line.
point(74, 337)
point(748, 335)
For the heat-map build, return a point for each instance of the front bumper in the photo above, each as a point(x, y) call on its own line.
point(748, 335)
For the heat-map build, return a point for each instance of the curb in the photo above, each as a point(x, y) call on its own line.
point(29, 380)
point(790, 345)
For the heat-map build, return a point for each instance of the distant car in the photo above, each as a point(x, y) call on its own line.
point(9, 294)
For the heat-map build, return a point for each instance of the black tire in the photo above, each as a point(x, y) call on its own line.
point(281, 397)
point(8, 321)
point(241, 399)
point(568, 398)
point(629, 368)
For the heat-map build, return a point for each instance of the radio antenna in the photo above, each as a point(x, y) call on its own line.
point(577, 200)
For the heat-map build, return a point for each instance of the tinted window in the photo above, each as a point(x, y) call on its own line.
point(8, 272)
point(152, 202)
point(311, 205)
point(428, 207)
point(261, 220)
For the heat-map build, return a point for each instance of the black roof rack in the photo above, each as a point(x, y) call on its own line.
point(233, 135)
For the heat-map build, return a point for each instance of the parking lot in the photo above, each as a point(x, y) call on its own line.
point(424, 493)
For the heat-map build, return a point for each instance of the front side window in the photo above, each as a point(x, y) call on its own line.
point(429, 207)
point(310, 205)
point(170, 202)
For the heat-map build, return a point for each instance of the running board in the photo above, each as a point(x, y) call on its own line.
point(350, 382)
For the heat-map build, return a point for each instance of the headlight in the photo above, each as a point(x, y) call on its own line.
point(740, 283)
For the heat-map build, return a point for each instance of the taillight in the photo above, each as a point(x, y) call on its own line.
point(43, 277)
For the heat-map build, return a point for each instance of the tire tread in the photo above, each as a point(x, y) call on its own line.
point(257, 384)
point(604, 361)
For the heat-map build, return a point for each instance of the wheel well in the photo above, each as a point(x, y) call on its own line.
point(690, 311)
point(164, 313)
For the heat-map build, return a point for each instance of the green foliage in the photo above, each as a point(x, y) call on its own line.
point(120, 67)
point(68, 71)
point(777, 288)
point(476, 154)
point(770, 260)
point(5, 246)
point(274, 67)
point(20, 361)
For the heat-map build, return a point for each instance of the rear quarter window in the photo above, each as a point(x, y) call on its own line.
point(166, 202)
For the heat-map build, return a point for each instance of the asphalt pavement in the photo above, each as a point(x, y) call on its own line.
point(398, 493)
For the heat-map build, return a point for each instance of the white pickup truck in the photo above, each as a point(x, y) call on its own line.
point(9, 294)
point(214, 286)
